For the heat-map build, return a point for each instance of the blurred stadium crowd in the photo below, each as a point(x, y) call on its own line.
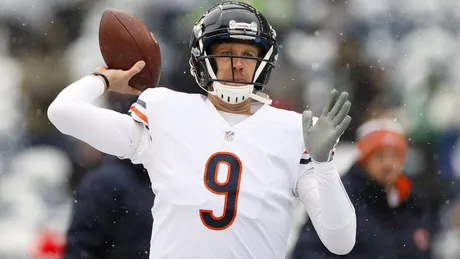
point(396, 56)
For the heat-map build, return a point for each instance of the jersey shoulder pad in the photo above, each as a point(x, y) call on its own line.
point(151, 98)
point(155, 95)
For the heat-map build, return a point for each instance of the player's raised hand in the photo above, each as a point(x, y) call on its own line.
point(321, 138)
point(118, 79)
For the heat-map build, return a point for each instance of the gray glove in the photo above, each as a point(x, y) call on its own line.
point(321, 138)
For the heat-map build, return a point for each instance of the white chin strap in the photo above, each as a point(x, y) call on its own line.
point(237, 94)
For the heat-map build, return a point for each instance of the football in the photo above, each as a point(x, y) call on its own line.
point(124, 39)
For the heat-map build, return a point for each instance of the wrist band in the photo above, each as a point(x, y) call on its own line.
point(103, 77)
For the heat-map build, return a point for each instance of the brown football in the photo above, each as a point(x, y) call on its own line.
point(124, 39)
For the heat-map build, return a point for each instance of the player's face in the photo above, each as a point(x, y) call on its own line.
point(385, 166)
point(242, 68)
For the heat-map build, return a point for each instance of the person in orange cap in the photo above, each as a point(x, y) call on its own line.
point(382, 147)
point(393, 219)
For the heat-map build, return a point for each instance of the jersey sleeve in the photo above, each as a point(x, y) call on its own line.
point(305, 165)
point(305, 159)
point(143, 112)
point(148, 105)
point(320, 189)
point(73, 113)
point(138, 111)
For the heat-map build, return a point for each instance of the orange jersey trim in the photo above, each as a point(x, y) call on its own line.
point(139, 114)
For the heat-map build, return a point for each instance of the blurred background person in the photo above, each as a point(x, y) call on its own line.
point(393, 218)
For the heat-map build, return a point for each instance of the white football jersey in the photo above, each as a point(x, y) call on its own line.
point(222, 191)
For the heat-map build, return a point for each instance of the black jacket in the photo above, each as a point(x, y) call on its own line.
point(382, 232)
point(112, 213)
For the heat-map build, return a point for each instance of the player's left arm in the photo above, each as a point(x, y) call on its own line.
point(319, 185)
point(328, 206)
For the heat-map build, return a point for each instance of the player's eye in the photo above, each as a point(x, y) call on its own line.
point(248, 54)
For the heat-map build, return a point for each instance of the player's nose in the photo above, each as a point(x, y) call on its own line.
point(237, 64)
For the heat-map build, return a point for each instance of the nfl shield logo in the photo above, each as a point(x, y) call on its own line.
point(229, 135)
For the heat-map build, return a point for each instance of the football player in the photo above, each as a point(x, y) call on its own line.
point(226, 167)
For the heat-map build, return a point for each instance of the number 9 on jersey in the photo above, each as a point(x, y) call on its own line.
point(229, 189)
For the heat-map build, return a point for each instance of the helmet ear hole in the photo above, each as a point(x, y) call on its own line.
point(203, 75)
point(264, 76)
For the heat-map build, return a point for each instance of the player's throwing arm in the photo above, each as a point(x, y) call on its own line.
point(74, 114)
